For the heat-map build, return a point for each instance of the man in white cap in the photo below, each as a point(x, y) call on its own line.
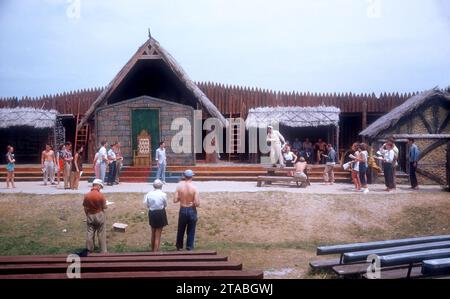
point(276, 143)
point(94, 204)
point(188, 197)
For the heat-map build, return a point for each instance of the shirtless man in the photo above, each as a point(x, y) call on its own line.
point(320, 147)
point(188, 197)
point(300, 168)
point(48, 163)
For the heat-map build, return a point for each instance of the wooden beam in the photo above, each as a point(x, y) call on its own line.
point(201, 274)
point(448, 166)
point(425, 122)
point(364, 117)
point(150, 57)
point(431, 176)
point(444, 123)
point(422, 136)
point(432, 147)
point(119, 267)
point(435, 110)
point(113, 259)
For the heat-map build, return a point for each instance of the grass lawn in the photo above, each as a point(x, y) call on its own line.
point(274, 231)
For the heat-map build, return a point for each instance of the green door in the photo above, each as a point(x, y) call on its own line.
point(147, 119)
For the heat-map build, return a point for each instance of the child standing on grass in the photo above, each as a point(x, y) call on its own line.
point(363, 165)
point(10, 161)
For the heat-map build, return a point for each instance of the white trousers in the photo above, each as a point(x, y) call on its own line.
point(275, 154)
point(49, 170)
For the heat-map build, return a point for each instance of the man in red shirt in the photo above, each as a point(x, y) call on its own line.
point(94, 204)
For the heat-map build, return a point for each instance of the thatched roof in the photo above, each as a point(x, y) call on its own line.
point(151, 49)
point(36, 118)
point(293, 116)
point(392, 118)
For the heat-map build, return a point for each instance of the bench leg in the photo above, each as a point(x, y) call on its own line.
point(259, 184)
point(409, 271)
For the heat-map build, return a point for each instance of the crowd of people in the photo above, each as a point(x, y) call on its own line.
point(313, 153)
point(55, 166)
point(67, 166)
point(70, 166)
point(155, 201)
point(108, 161)
point(299, 154)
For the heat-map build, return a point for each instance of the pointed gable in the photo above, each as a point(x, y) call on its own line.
point(154, 72)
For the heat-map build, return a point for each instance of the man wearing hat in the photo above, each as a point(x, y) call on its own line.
point(188, 197)
point(276, 141)
point(94, 204)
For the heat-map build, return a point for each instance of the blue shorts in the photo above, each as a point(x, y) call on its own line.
point(10, 167)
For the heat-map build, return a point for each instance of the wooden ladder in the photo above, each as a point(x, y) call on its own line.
point(235, 139)
point(82, 135)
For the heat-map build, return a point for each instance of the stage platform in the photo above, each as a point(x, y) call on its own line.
point(204, 172)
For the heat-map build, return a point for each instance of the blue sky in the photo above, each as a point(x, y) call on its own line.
point(52, 46)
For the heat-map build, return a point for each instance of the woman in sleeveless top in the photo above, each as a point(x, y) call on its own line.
point(355, 167)
point(10, 163)
point(363, 165)
point(60, 161)
point(77, 168)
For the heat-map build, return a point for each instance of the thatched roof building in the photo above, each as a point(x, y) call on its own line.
point(29, 117)
point(425, 118)
point(408, 108)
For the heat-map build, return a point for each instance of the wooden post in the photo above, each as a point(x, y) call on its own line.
point(364, 116)
point(448, 166)
point(76, 126)
point(337, 143)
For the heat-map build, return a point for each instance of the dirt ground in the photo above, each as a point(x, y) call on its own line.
point(272, 230)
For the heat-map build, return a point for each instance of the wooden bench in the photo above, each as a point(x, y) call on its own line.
point(411, 258)
point(353, 257)
point(361, 256)
point(401, 265)
point(359, 270)
point(115, 259)
point(127, 265)
point(341, 249)
point(436, 267)
point(221, 274)
point(268, 180)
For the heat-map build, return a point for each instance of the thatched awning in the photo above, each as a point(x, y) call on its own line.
point(31, 117)
point(392, 118)
point(296, 117)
